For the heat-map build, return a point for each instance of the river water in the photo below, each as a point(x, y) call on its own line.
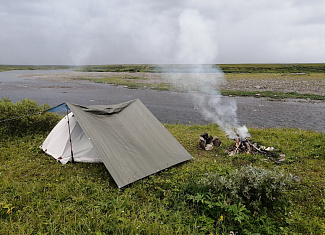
point(168, 107)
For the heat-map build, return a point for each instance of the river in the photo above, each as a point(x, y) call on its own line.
point(168, 107)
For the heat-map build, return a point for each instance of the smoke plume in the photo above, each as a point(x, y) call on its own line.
point(198, 46)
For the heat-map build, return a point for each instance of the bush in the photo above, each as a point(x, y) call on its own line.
point(25, 117)
point(253, 186)
point(239, 200)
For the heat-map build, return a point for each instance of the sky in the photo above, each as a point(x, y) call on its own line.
point(84, 32)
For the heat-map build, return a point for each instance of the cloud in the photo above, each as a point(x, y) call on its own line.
point(196, 42)
point(143, 31)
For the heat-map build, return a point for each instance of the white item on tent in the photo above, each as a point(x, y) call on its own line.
point(57, 143)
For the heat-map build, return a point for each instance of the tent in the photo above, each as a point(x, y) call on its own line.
point(126, 137)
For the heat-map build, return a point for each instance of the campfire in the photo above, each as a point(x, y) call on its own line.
point(241, 146)
point(246, 146)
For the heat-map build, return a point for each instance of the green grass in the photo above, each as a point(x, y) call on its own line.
point(226, 68)
point(273, 95)
point(132, 68)
point(273, 68)
point(131, 83)
point(41, 196)
point(157, 68)
point(33, 67)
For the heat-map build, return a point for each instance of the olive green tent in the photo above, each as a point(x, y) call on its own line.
point(127, 137)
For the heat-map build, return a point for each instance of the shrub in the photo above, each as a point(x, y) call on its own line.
point(239, 200)
point(25, 117)
point(253, 186)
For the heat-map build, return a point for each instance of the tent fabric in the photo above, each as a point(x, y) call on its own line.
point(57, 143)
point(129, 139)
point(59, 108)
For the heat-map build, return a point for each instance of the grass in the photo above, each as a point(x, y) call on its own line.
point(273, 68)
point(273, 95)
point(156, 68)
point(119, 68)
point(131, 83)
point(226, 68)
point(33, 67)
point(41, 196)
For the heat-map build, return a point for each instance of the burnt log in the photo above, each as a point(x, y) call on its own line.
point(216, 142)
point(202, 143)
point(207, 141)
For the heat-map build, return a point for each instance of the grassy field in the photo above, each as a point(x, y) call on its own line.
point(273, 68)
point(273, 95)
point(153, 68)
point(201, 196)
point(226, 68)
point(33, 67)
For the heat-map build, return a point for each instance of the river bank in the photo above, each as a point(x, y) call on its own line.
point(58, 86)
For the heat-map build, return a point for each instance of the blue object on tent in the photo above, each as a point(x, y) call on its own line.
point(59, 108)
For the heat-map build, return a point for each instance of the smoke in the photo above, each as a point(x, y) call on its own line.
point(197, 45)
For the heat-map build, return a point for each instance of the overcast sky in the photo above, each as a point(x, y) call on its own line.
point(77, 32)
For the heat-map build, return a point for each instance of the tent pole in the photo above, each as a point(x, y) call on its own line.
point(72, 160)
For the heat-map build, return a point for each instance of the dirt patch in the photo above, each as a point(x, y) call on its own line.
point(301, 83)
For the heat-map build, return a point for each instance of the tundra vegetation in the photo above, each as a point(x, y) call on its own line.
point(176, 68)
point(32, 67)
point(212, 194)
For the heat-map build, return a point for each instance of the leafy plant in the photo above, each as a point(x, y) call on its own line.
point(25, 117)
point(232, 200)
point(8, 207)
point(255, 187)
